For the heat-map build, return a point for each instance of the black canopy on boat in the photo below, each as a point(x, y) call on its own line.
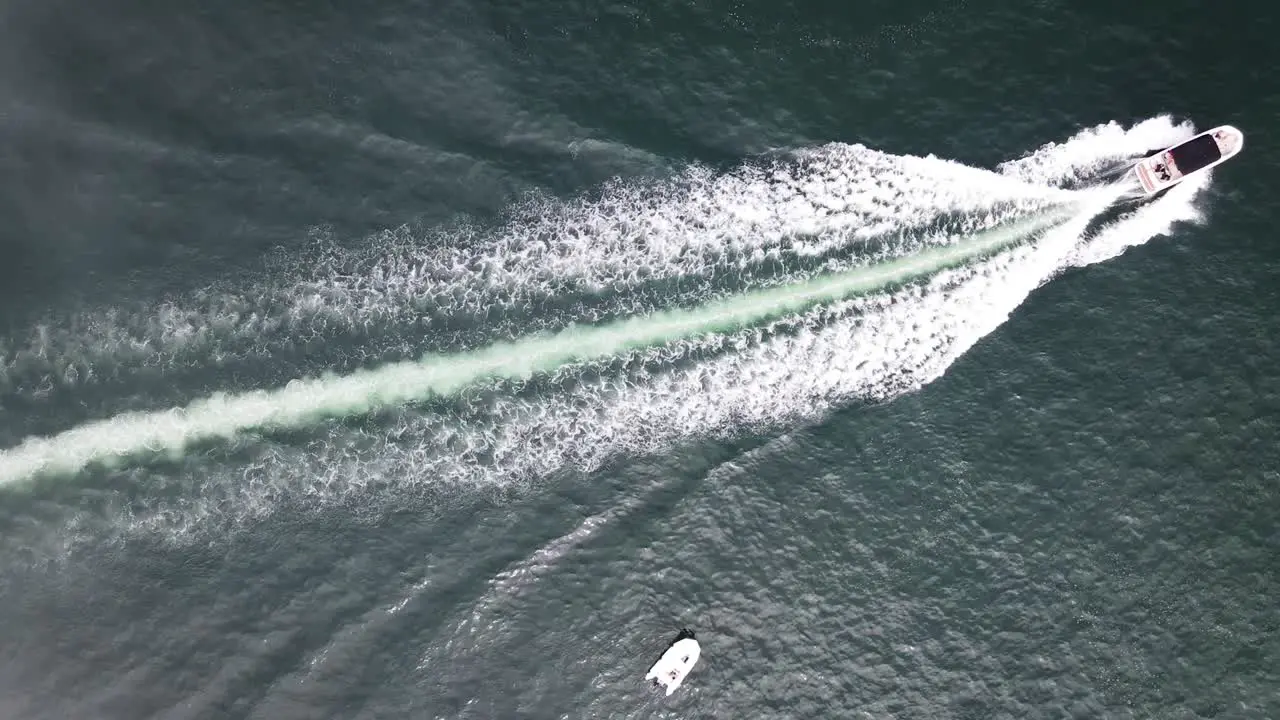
point(1196, 153)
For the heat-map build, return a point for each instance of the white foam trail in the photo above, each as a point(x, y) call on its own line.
point(1146, 222)
point(816, 201)
point(1095, 149)
point(821, 200)
point(870, 347)
point(304, 402)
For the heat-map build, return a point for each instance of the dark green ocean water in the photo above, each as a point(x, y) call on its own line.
point(975, 501)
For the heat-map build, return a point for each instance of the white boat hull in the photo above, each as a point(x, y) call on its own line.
point(675, 664)
point(1198, 154)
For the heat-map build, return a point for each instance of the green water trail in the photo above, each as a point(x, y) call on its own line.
point(304, 402)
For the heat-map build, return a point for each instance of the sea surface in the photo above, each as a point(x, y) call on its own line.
point(445, 359)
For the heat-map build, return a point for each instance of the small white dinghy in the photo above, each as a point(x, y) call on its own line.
point(676, 662)
point(1172, 165)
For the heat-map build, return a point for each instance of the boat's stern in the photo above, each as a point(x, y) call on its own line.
point(1156, 173)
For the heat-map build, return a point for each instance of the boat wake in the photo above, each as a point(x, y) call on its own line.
point(703, 306)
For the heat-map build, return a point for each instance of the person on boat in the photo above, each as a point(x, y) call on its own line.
point(1226, 141)
point(1167, 168)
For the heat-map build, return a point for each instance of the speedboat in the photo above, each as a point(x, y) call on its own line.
point(676, 662)
point(1171, 166)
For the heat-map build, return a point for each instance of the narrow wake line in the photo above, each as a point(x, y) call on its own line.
point(304, 402)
